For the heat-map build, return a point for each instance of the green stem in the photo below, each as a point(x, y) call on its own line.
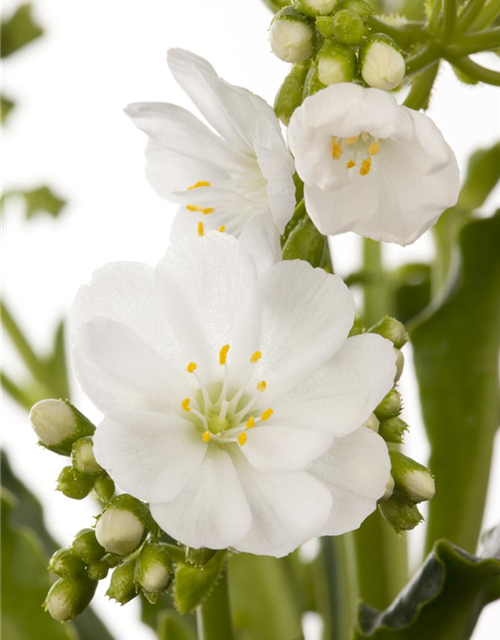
point(470, 12)
point(449, 22)
point(213, 617)
point(487, 15)
point(404, 35)
point(476, 71)
point(15, 392)
point(474, 42)
point(435, 16)
point(425, 57)
point(421, 88)
point(376, 295)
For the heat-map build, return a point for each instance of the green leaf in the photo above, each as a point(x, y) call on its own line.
point(411, 286)
point(39, 200)
point(18, 31)
point(483, 174)
point(6, 107)
point(456, 349)
point(193, 586)
point(302, 241)
point(172, 627)
point(442, 602)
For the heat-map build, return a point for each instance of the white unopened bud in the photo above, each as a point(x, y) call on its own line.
point(314, 7)
point(53, 421)
point(372, 423)
point(382, 65)
point(153, 571)
point(119, 531)
point(413, 481)
point(420, 485)
point(291, 36)
point(83, 457)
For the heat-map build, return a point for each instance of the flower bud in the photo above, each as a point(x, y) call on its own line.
point(372, 423)
point(58, 424)
point(82, 455)
point(98, 569)
point(389, 490)
point(393, 430)
point(314, 7)
point(113, 560)
point(390, 407)
point(199, 557)
point(400, 363)
point(68, 597)
point(391, 329)
point(399, 514)
point(104, 488)
point(86, 547)
point(413, 481)
point(324, 24)
point(291, 36)
point(382, 65)
point(362, 8)
point(289, 96)
point(74, 484)
point(66, 564)
point(348, 27)
point(123, 525)
point(122, 586)
point(153, 571)
point(336, 62)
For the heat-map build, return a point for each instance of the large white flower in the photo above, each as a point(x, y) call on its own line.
point(234, 400)
point(224, 177)
point(371, 166)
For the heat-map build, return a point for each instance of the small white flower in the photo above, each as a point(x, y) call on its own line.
point(234, 401)
point(223, 176)
point(371, 166)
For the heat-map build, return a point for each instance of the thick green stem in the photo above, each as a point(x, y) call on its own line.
point(376, 296)
point(425, 57)
point(435, 16)
point(449, 21)
point(476, 71)
point(421, 88)
point(404, 35)
point(470, 12)
point(474, 42)
point(213, 617)
point(487, 15)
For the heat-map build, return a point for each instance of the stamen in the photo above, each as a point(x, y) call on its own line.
point(352, 140)
point(192, 207)
point(191, 368)
point(267, 414)
point(223, 410)
point(250, 423)
point(365, 167)
point(222, 229)
point(223, 354)
point(185, 404)
point(336, 149)
point(206, 436)
point(201, 183)
point(242, 438)
point(207, 210)
point(350, 164)
point(261, 386)
point(201, 228)
point(374, 148)
point(256, 357)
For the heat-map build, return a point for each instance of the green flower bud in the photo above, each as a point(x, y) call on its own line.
point(393, 430)
point(104, 488)
point(123, 525)
point(348, 27)
point(391, 329)
point(98, 569)
point(389, 490)
point(66, 564)
point(113, 560)
point(399, 514)
point(58, 424)
point(362, 8)
point(289, 96)
point(390, 407)
point(400, 363)
point(82, 455)
point(413, 481)
point(153, 571)
point(324, 24)
point(122, 586)
point(199, 557)
point(68, 597)
point(291, 36)
point(314, 7)
point(86, 547)
point(382, 65)
point(74, 484)
point(336, 62)
point(372, 423)
point(312, 84)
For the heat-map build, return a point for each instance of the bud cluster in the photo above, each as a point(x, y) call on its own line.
point(331, 41)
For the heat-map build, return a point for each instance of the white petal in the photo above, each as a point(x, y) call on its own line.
point(287, 509)
point(342, 393)
point(356, 470)
point(149, 455)
point(280, 448)
point(120, 372)
point(212, 510)
point(261, 239)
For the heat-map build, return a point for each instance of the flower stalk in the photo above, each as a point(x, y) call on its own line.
point(213, 617)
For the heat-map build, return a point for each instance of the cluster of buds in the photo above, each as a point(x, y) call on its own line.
point(331, 41)
point(410, 482)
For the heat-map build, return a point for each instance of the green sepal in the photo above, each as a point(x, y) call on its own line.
point(289, 13)
point(193, 586)
point(151, 554)
point(73, 484)
point(393, 430)
point(324, 24)
point(362, 8)
point(98, 569)
point(122, 585)
point(376, 37)
point(401, 515)
point(104, 488)
point(290, 94)
point(392, 330)
point(402, 469)
point(86, 547)
point(137, 507)
point(199, 557)
point(390, 407)
point(66, 564)
point(348, 26)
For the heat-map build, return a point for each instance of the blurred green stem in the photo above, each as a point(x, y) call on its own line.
point(22, 345)
point(376, 296)
point(471, 10)
point(213, 617)
point(421, 88)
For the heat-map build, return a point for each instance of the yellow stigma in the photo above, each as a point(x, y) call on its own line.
point(206, 436)
point(201, 183)
point(185, 404)
point(201, 228)
point(350, 164)
point(352, 140)
point(267, 414)
point(336, 149)
point(191, 368)
point(261, 386)
point(223, 354)
point(374, 148)
point(365, 167)
point(222, 229)
point(250, 423)
point(242, 438)
point(256, 357)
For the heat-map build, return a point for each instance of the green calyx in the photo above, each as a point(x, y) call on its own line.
point(390, 407)
point(68, 597)
point(392, 330)
point(73, 484)
point(86, 547)
point(154, 571)
point(401, 515)
point(104, 488)
point(58, 424)
point(336, 62)
point(348, 27)
point(122, 586)
point(290, 94)
point(412, 481)
point(66, 564)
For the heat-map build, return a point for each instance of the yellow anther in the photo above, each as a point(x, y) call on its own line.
point(352, 140)
point(201, 183)
point(374, 148)
point(365, 166)
point(250, 423)
point(223, 354)
point(191, 368)
point(242, 438)
point(206, 211)
point(267, 414)
point(222, 229)
point(185, 404)
point(206, 436)
point(350, 164)
point(261, 386)
point(192, 207)
point(256, 357)
point(201, 228)
point(336, 150)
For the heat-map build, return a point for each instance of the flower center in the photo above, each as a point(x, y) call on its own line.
point(359, 149)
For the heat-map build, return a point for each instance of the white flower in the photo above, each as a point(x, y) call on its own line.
point(234, 401)
point(371, 166)
point(223, 178)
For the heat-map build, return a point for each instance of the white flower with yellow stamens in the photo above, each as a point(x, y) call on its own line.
point(233, 398)
point(371, 166)
point(225, 175)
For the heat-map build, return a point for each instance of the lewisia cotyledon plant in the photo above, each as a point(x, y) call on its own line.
point(225, 175)
point(371, 166)
point(234, 401)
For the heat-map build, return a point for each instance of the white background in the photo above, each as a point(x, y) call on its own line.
point(68, 130)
